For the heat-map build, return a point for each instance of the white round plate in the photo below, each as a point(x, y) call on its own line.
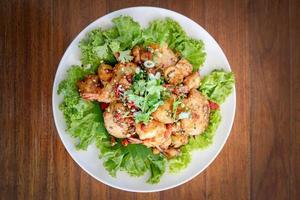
point(89, 161)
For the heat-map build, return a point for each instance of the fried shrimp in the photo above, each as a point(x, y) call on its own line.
point(199, 113)
point(90, 88)
point(175, 74)
point(116, 122)
point(164, 112)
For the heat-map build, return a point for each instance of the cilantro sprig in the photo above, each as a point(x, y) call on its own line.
point(147, 93)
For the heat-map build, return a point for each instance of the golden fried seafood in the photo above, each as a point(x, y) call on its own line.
point(150, 130)
point(199, 113)
point(175, 74)
point(91, 89)
point(192, 81)
point(179, 140)
point(164, 112)
point(105, 72)
point(116, 121)
point(165, 56)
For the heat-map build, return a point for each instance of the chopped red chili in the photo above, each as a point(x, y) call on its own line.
point(103, 106)
point(149, 55)
point(117, 91)
point(125, 142)
point(169, 87)
point(213, 105)
point(113, 141)
point(143, 126)
point(129, 78)
point(131, 104)
point(117, 116)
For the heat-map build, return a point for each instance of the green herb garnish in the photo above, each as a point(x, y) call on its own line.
point(147, 94)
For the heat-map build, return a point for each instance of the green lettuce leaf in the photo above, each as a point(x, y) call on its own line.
point(193, 51)
point(130, 32)
point(164, 31)
point(94, 49)
point(111, 34)
point(135, 159)
point(157, 165)
point(73, 107)
point(217, 85)
point(181, 161)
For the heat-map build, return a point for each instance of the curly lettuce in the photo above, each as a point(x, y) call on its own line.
point(101, 45)
point(217, 85)
point(193, 51)
point(135, 159)
point(94, 49)
point(130, 32)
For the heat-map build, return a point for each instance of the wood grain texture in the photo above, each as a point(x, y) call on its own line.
point(270, 99)
point(261, 157)
point(294, 32)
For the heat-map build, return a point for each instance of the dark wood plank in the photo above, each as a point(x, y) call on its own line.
point(117, 5)
point(27, 135)
point(70, 17)
point(8, 175)
point(295, 99)
point(270, 99)
point(229, 175)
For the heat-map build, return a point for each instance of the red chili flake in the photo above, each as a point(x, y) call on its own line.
point(169, 126)
point(168, 131)
point(213, 105)
point(117, 91)
point(129, 78)
point(149, 55)
point(131, 105)
point(131, 121)
point(169, 87)
point(143, 126)
point(103, 106)
point(125, 142)
point(112, 141)
point(117, 115)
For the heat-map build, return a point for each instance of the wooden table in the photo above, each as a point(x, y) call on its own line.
point(261, 159)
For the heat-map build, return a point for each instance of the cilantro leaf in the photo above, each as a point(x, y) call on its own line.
point(124, 56)
point(147, 94)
